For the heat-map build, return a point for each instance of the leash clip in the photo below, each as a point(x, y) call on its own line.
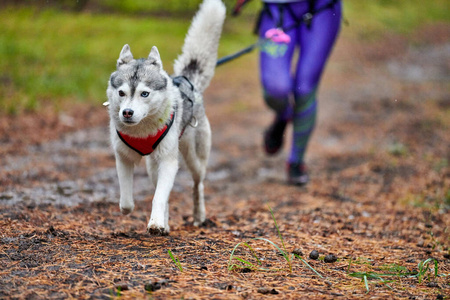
point(307, 18)
point(195, 122)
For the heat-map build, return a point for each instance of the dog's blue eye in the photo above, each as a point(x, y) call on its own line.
point(121, 93)
point(144, 94)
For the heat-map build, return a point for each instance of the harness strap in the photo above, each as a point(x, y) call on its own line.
point(307, 18)
point(281, 14)
point(187, 93)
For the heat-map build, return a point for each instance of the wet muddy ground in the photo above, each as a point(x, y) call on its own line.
point(378, 200)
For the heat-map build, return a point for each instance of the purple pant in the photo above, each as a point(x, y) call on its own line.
point(281, 81)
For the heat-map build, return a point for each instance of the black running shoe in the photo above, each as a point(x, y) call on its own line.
point(273, 137)
point(297, 174)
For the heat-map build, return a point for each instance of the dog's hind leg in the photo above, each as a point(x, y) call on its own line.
point(125, 170)
point(196, 156)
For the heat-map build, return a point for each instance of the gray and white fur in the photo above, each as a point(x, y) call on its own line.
point(142, 98)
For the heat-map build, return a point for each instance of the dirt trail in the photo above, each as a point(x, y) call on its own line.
point(378, 199)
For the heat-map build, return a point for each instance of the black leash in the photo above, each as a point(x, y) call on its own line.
point(246, 50)
point(306, 19)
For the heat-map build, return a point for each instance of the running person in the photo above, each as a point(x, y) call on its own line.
point(313, 26)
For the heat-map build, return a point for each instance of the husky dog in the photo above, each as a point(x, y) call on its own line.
point(155, 115)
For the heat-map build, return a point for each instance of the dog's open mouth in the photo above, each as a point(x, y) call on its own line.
point(129, 122)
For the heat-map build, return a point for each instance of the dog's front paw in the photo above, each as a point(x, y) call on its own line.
point(157, 231)
point(126, 209)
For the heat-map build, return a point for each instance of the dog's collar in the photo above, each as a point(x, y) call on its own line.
point(145, 146)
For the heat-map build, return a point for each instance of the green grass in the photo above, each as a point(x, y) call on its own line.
point(52, 57)
point(243, 263)
point(433, 200)
point(371, 18)
point(175, 260)
point(142, 6)
point(394, 271)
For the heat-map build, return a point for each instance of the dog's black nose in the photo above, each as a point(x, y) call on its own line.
point(127, 113)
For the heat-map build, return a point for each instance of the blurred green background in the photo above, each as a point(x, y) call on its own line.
point(55, 52)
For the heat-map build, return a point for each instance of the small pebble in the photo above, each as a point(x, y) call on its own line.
point(298, 252)
point(6, 196)
point(152, 286)
point(208, 223)
point(265, 291)
point(51, 230)
point(314, 254)
point(432, 284)
point(330, 258)
point(274, 292)
point(121, 286)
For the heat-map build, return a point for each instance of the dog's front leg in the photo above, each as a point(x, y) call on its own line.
point(125, 170)
point(159, 219)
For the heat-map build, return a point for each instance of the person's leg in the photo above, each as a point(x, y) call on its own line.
point(316, 42)
point(275, 74)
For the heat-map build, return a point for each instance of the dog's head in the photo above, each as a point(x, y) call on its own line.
point(138, 88)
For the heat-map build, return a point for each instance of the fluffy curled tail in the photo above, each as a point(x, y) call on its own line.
point(199, 53)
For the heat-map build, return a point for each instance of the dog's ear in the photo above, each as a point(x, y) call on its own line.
point(125, 56)
point(154, 56)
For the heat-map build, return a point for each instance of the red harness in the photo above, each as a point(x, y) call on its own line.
point(145, 146)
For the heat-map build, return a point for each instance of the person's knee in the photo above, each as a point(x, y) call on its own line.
point(277, 98)
point(276, 88)
point(276, 103)
point(276, 95)
point(305, 93)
